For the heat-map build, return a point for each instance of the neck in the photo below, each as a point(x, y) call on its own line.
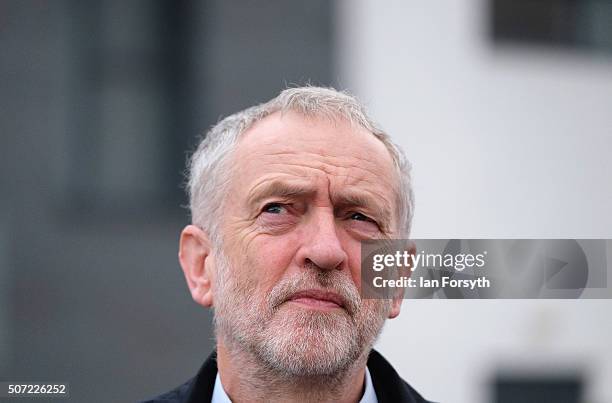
point(246, 379)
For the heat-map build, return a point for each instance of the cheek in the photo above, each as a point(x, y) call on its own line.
point(269, 257)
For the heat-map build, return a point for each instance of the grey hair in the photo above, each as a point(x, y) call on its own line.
point(207, 173)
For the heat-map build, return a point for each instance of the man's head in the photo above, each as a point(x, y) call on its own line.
point(281, 196)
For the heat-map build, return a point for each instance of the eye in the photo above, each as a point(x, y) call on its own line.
point(362, 222)
point(360, 217)
point(274, 208)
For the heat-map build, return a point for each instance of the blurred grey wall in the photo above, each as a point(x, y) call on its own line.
point(99, 104)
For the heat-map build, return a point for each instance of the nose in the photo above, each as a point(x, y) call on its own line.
point(322, 246)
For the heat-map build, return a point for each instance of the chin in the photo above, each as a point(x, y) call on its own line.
point(311, 343)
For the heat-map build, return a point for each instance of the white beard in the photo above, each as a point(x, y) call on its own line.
point(293, 341)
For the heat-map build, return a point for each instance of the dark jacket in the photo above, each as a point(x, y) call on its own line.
point(388, 385)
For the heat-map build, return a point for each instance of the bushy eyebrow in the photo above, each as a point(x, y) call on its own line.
point(279, 188)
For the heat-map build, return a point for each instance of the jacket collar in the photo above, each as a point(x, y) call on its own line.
point(388, 385)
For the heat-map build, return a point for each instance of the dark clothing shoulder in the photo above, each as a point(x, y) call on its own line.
point(388, 385)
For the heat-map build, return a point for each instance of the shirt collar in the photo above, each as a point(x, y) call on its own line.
point(369, 395)
point(219, 395)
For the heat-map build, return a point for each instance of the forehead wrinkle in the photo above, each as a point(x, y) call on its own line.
point(339, 161)
point(334, 170)
point(349, 181)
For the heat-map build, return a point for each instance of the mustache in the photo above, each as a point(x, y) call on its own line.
point(329, 281)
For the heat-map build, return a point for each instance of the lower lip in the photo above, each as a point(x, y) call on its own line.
point(316, 303)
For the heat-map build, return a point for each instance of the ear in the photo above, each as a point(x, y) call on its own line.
point(396, 302)
point(197, 263)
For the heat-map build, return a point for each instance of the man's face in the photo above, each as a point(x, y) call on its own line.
point(302, 195)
